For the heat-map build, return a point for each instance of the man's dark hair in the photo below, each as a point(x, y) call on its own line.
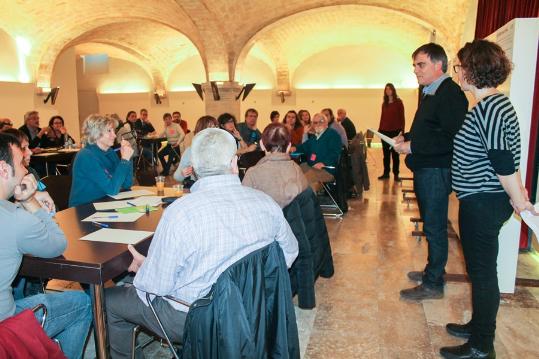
point(251, 110)
point(176, 112)
point(435, 52)
point(225, 118)
point(143, 110)
point(6, 154)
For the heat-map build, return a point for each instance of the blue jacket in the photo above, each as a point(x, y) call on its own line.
point(326, 149)
point(97, 173)
point(248, 312)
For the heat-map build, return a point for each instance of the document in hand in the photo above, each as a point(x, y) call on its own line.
point(531, 220)
point(112, 235)
point(383, 137)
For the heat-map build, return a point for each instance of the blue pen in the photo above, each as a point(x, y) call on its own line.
point(100, 225)
point(117, 149)
point(113, 216)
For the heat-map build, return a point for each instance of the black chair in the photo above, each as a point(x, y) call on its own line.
point(247, 160)
point(59, 188)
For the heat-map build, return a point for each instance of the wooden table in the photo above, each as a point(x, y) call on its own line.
point(90, 262)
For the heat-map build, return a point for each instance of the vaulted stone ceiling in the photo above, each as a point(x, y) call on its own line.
point(160, 34)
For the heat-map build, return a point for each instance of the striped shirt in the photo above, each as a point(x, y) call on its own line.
point(201, 234)
point(491, 125)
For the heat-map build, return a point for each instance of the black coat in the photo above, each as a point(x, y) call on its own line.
point(248, 312)
point(314, 258)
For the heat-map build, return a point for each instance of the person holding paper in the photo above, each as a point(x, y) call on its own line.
point(391, 125)
point(488, 184)
point(97, 170)
point(190, 248)
point(28, 228)
point(429, 148)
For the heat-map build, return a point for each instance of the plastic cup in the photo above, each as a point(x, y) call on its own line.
point(178, 189)
point(160, 183)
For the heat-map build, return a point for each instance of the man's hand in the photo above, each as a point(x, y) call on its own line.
point(36, 150)
point(42, 132)
point(138, 259)
point(319, 165)
point(524, 206)
point(399, 138)
point(403, 147)
point(126, 150)
point(26, 189)
point(45, 201)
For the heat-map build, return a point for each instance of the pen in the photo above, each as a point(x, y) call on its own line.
point(117, 149)
point(147, 209)
point(131, 204)
point(100, 225)
point(330, 167)
point(106, 217)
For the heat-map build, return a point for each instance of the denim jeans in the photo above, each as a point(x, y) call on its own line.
point(480, 220)
point(432, 187)
point(172, 153)
point(69, 315)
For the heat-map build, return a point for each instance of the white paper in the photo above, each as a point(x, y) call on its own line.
point(112, 235)
point(132, 194)
point(146, 200)
point(383, 137)
point(107, 206)
point(140, 201)
point(531, 220)
point(113, 217)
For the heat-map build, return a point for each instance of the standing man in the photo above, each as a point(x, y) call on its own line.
point(429, 150)
point(346, 123)
point(248, 131)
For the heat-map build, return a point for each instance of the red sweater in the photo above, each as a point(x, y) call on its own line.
point(392, 118)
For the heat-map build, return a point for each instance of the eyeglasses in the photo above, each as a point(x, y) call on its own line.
point(457, 68)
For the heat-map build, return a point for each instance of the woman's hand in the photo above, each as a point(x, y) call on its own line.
point(63, 130)
point(523, 206)
point(126, 151)
point(187, 171)
point(236, 134)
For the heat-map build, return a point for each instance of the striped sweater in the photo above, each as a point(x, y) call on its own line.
point(487, 144)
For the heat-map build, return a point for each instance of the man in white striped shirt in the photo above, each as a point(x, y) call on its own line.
point(199, 236)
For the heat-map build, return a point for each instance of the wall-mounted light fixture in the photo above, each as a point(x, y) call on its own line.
point(215, 91)
point(50, 93)
point(282, 94)
point(199, 90)
point(245, 90)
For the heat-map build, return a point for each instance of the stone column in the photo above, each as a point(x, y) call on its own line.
point(227, 103)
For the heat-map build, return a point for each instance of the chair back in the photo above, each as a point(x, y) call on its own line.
point(248, 312)
point(59, 188)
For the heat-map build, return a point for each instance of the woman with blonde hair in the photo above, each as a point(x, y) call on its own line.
point(97, 170)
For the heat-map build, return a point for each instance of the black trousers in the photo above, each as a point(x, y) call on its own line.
point(390, 153)
point(480, 221)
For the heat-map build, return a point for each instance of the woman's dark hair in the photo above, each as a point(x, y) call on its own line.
point(274, 114)
point(276, 137)
point(129, 114)
point(51, 121)
point(6, 154)
point(297, 123)
point(205, 122)
point(300, 115)
point(484, 63)
point(225, 118)
point(18, 134)
point(331, 115)
point(386, 97)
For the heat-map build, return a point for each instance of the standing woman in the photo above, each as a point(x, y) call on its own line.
point(294, 127)
point(486, 179)
point(97, 170)
point(391, 124)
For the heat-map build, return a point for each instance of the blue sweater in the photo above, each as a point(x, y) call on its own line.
point(327, 149)
point(97, 173)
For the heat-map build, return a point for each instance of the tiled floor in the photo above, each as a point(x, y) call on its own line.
point(359, 313)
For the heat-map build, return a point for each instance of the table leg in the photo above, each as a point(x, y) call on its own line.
point(47, 168)
point(100, 325)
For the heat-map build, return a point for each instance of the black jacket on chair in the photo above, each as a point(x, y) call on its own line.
point(248, 312)
point(314, 258)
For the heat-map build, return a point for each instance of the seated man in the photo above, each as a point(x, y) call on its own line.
point(175, 136)
point(321, 150)
point(28, 228)
point(248, 130)
point(198, 238)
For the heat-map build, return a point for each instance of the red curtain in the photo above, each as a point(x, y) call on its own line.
point(493, 14)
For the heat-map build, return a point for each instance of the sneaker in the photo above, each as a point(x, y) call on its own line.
point(415, 276)
point(383, 177)
point(459, 330)
point(421, 292)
